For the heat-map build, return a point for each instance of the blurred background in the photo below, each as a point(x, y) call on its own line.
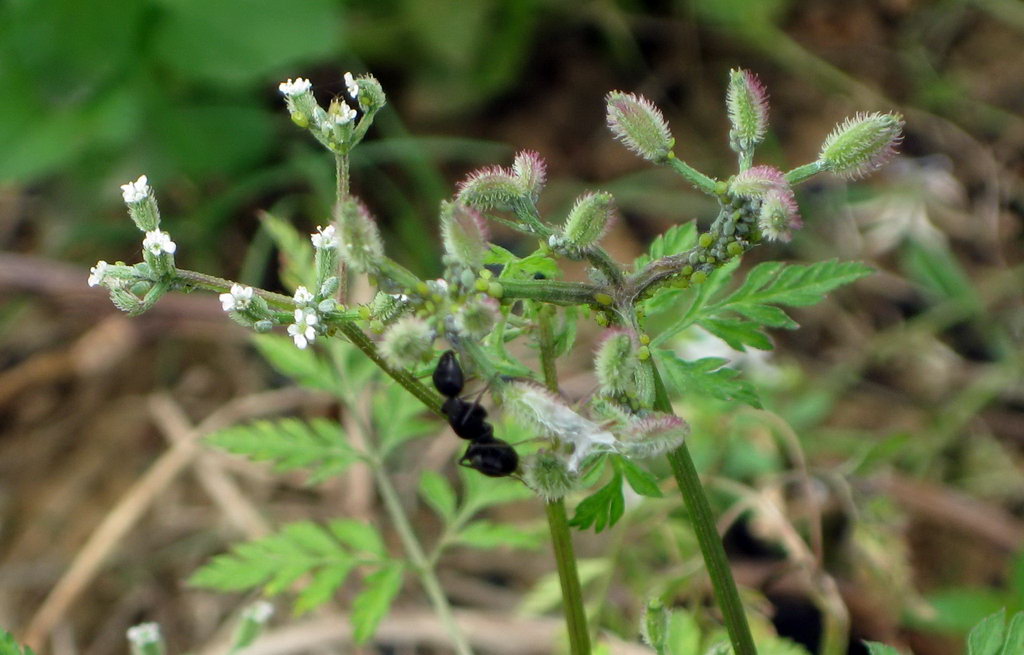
point(902, 393)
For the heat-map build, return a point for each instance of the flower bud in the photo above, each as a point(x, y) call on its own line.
point(653, 435)
point(370, 96)
point(779, 215)
point(639, 125)
point(464, 234)
point(862, 144)
point(408, 342)
point(298, 96)
point(654, 625)
point(747, 102)
point(755, 182)
point(616, 362)
point(142, 208)
point(588, 220)
point(360, 242)
point(490, 188)
point(546, 473)
point(477, 317)
point(530, 172)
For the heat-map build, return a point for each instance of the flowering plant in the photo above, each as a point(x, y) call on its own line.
point(489, 297)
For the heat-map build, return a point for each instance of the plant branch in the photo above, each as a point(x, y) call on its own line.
point(699, 180)
point(703, 521)
point(551, 291)
point(558, 524)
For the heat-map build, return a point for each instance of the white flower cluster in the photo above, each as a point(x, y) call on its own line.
point(238, 299)
point(294, 88)
point(136, 191)
point(303, 330)
point(324, 238)
point(351, 86)
point(144, 634)
point(158, 242)
point(97, 273)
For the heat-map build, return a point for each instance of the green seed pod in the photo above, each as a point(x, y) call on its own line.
point(477, 317)
point(549, 477)
point(408, 342)
point(464, 234)
point(616, 362)
point(639, 125)
point(588, 220)
point(530, 172)
point(653, 435)
point(360, 242)
point(757, 181)
point(490, 188)
point(862, 144)
point(747, 102)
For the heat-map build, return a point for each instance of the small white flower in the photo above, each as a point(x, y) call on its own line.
point(136, 191)
point(303, 330)
point(237, 299)
point(298, 87)
point(303, 296)
point(351, 86)
point(324, 237)
point(344, 114)
point(259, 611)
point(144, 634)
point(158, 242)
point(97, 273)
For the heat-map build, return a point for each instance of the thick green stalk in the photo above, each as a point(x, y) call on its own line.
point(550, 291)
point(801, 173)
point(558, 524)
point(419, 560)
point(703, 521)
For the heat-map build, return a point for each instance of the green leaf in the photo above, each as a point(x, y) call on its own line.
point(641, 481)
point(277, 562)
point(8, 646)
point(302, 365)
point(361, 537)
point(436, 491)
point(875, 648)
point(603, 508)
point(486, 534)
point(321, 589)
point(676, 239)
point(374, 601)
point(738, 334)
point(938, 272)
point(398, 417)
point(986, 638)
point(296, 252)
point(522, 268)
point(957, 609)
point(565, 335)
point(546, 594)
point(318, 445)
point(705, 377)
point(1015, 635)
point(775, 283)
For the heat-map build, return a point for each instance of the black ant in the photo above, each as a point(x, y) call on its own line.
point(491, 456)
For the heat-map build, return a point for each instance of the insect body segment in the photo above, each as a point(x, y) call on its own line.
point(491, 456)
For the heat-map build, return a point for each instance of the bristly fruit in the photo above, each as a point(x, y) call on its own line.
point(862, 144)
point(589, 220)
point(464, 234)
point(490, 188)
point(408, 342)
point(757, 181)
point(361, 245)
point(639, 125)
point(547, 475)
point(779, 215)
point(747, 102)
point(616, 362)
point(530, 172)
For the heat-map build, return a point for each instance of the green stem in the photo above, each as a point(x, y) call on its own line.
point(801, 173)
point(699, 180)
point(341, 170)
point(221, 285)
point(568, 578)
point(558, 524)
point(703, 521)
point(550, 291)
point(419, 560)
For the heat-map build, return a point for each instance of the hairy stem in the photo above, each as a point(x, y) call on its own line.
point(801, 173)
point(558, 524)
point(699, 180)
point(414, 551)
point(703, 521)
point(550, 291)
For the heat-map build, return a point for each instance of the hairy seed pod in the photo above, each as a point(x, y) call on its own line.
point(360, 242)
point(862, 144)
point(408, 342)
point(464, 234)
point(615, 362)
point(747, 102)
point(549, 477)
point(588, 220)
point(639, 125)
point(490, 188)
